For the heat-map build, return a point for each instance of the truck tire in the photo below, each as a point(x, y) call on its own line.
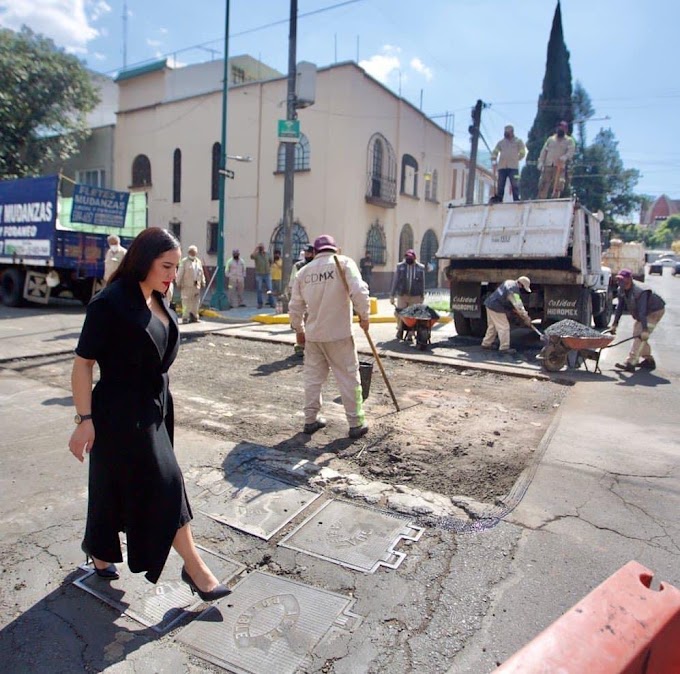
point(585, 308)
point(12, 287)
point(462, 324)
point(603, 319)
point(478, 326)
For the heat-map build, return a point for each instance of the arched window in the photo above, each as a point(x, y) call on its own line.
point(299, 237)
point(409, 175)
point(405, 240)
point(376, 243)
point(428, 251)
point(177, 176)
point(141, 171)
point(381, 172)
point(302, 155)
point(215, 173)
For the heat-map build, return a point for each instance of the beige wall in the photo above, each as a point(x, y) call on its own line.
point(330, 198)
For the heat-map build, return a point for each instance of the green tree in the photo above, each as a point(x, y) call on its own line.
point(45, 95)
point(583, 111)
point(667, 233)
point(554, 104)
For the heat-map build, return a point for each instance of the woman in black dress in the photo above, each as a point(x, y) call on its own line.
point(126, 423)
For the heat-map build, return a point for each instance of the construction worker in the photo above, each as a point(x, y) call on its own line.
point(512, 150)
point(190, 281)
point(321, 311)
point(408, 287)
point(236, 278)
point(647, 308)
point(501, 302)
point(553, 163)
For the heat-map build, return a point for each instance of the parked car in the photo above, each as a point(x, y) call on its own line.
point(655, 268)
point(676, 269)
point(666, 261)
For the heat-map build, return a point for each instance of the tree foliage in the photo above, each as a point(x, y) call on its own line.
point(667, 233)
point(583, 111)
point(45, 95)
point(554, 103)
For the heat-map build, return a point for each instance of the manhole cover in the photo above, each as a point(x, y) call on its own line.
point(268, 624)
point(354, 536)
point(255, 503)
point(160, 606)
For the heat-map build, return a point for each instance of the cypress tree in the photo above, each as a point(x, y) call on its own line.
point(554, 104)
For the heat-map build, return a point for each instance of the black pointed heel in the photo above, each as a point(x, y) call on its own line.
point(109, 572)
point(216, 593)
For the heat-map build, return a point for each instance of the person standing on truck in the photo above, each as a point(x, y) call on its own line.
point(320, 311)
point(647, 308)
point(114, 256)
point(501, 302)
point(408, 287)
point(553, 163)
point(511, 150)
point(190, 281)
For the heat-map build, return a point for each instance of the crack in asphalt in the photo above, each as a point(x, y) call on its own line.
point(668, 474)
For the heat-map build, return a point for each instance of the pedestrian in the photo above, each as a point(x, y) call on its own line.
point(502, 302)
point(321, 312)
point(277, 274)
point(306, 256)
point(408, 287)
point(190, 281)
point(236, 278)
point(553, 163)
point(126, 424)
point(114, 256)
point(366, 266)
point(262, 275)
point(511, 150)
point(647, 309)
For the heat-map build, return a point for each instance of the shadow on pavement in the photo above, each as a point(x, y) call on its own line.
point(265, 369)
point(66, 401)
point(641, 378)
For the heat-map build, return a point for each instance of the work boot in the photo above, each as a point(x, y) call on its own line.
point(626, 367)
point(356, 432)
point(510, 352)
point(315, 426)
point(648, 364)
point(488, 348)
point(299, 350)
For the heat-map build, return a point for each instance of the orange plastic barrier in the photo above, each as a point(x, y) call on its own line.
point(621, 627)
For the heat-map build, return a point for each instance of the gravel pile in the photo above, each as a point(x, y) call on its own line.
point(420, 311)
point(569, 328)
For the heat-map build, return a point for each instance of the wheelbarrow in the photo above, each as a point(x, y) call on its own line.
point(419, 327)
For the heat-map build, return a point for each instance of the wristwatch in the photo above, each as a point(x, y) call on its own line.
point(79, 418)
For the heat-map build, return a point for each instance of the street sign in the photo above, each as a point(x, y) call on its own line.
point(229, 173)
point(289, 130)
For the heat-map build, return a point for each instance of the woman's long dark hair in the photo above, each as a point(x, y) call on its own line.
point(147, 246)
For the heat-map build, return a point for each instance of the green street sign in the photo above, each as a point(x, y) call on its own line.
point(289, 130)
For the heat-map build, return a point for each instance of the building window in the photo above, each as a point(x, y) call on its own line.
point(92, 177)
point(176, 229)
point(211, 238)
point(302, 154)
point(428, 252)
point(381, 172)
point(431, 179)
point(405, 240)
point(238, 75)
point(376, 243)
point(141, 171)
point(299, 238)
point(215, 174)
point(454, 184)
point(409, 176)
point(177, 176)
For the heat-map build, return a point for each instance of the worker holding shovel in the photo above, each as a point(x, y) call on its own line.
point(553, 161)
point(320, 312)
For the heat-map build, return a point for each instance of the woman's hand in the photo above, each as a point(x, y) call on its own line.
point(82, 440)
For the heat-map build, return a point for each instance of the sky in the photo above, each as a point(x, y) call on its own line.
point(447, 53)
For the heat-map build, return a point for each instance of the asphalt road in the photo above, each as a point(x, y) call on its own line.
point(606, 491)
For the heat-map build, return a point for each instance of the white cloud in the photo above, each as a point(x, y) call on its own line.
point(421, 68)
point(163, 31)
point(153, 43)
point(382, 65)
point(67, 22)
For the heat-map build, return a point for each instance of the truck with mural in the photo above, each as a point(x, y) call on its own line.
point(556, 243)
point(43, 254)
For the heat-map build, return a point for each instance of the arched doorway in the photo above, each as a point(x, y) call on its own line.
point(405, 240)
point(428, 250)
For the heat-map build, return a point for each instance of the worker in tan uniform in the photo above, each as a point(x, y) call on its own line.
point(190, 281)
point(553, 163)
point(320, 310)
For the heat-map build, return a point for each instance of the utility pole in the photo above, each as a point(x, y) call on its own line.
point(474, 142)
point(289, 175)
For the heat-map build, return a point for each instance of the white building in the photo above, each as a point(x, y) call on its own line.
point(371, 169)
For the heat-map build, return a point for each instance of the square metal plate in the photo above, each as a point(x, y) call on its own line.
point(268, 625)
point(255, 503)
point(160, 606)
point(357, 537)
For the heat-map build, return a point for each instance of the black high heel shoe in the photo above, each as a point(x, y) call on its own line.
point(217, 592)
point(109, 572)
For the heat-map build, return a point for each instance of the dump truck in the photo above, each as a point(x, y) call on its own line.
point(622, 255)
point(555, 242)
point(43, 254)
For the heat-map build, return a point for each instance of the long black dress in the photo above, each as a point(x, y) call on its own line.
point(135, 483)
